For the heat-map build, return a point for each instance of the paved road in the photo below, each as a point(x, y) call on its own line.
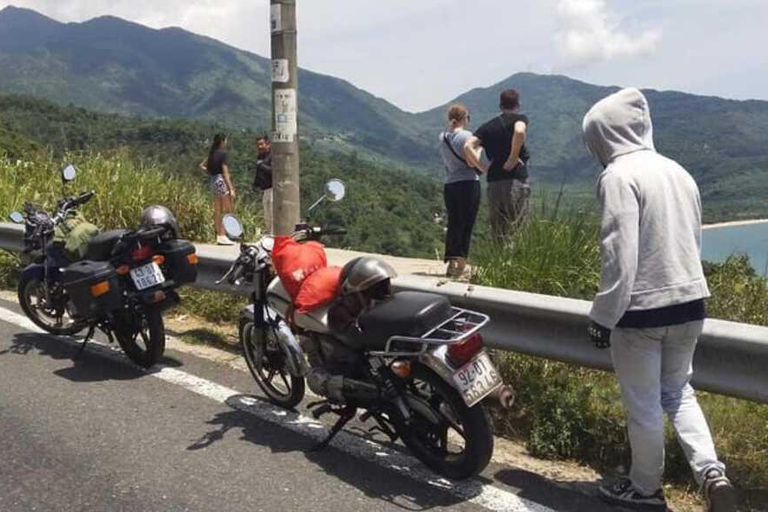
point(99, 434)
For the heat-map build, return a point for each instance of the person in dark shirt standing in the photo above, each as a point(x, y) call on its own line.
point(503, 139)
point(263, 180)
point(216, 165)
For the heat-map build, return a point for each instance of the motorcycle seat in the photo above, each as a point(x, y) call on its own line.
point(100, 247)
point(411, 314)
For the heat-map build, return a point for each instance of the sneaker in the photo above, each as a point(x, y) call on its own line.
point(624, 493)
point(223, 240)
point(718, 491)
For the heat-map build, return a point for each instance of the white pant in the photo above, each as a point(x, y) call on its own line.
point(654, 368)
point(267, 199)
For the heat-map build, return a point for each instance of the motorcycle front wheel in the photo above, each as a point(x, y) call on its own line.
point(49, 311)
point(451, 438)
point(141, 334)
point(267, 363)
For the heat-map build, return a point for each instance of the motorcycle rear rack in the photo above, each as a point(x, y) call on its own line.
point(463, 324)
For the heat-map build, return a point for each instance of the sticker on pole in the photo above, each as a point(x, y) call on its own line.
point(280, 71)
point(276, 18)
point(286, 125)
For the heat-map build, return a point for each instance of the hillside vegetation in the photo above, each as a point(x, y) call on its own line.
point(113, 65)
point(386, 210)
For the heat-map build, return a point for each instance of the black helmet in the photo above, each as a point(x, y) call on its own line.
point(160, 216)
point(363, 273)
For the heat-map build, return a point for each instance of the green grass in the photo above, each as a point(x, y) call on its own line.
point(124, 187)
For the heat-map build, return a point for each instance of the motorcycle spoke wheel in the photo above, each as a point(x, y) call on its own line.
point(451, 438)
point(266, 362)
point(52, 316)
point(446, 439)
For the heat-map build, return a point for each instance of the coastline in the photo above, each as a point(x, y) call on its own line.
point(734, 223)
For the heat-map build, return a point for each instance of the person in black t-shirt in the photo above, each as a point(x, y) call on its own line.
point(503, 139)
point(216, 165)
point(263, 180)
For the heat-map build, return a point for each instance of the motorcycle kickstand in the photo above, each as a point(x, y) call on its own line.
point(383, 428)
point(345, 416)
point(88, 337)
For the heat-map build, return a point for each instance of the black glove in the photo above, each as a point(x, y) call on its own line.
point(600, 336)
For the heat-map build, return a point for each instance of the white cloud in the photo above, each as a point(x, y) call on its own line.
point(591, 34)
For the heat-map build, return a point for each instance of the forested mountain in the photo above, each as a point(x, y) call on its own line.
point(723, 143)
point(386, 210)
point(111, 65)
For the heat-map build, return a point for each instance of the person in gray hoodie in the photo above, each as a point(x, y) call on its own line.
point(650, 308)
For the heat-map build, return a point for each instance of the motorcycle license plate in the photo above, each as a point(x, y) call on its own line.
point(147, 276)
point(477, 379)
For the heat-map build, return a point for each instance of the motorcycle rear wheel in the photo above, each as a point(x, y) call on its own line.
point(266, 361)
point(141, 334)
point(54, 317)
point(433, 444)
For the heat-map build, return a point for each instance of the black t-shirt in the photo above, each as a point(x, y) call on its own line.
point(216, 162)
point(263, 179)
point(496, 136)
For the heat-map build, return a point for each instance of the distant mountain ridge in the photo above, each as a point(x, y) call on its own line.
point(113, 65)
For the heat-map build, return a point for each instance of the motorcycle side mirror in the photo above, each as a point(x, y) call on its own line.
point(268, 243)
point(232, 227)
point(68, 174)
point(16, 217)
point(335, 190)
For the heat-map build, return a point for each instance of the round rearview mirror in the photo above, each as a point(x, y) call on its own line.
point(16, 217)
point(335, 190)
point(69, 173)
point(268, 243)
point(232, 227)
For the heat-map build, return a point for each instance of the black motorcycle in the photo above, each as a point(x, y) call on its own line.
point(424, 355)
point(120, 282)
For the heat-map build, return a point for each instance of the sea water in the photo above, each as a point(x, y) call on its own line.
point(751, 239)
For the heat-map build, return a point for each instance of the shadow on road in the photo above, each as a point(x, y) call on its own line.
point(570, 497)
point(375, 481)
point(92, 366)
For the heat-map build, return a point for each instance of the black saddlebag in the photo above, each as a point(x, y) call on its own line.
point(410, 314)
point(180, 261)
point(93, 287)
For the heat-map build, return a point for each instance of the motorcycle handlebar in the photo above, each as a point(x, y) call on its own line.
point(303, 233)
point(83, 198)
point(335, 231)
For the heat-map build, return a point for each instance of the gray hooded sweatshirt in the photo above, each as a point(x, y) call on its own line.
point(650, 234)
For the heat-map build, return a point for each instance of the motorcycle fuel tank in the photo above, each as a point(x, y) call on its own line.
point(279, 300)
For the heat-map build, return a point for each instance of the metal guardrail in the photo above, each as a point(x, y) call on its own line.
point(732, 358)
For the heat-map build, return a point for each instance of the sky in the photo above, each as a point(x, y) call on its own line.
point(419, 54)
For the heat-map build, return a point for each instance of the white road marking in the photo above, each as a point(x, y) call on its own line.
point(473, 491)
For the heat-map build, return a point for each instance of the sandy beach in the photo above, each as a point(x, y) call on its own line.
point(735, 223)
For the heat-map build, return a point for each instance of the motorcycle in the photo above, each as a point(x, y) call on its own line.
point(426, 357)
point(120, 282)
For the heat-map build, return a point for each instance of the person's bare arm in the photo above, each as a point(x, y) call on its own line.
point(472, 151)
point(204, 164)
point(228, 179)
point(518, 139)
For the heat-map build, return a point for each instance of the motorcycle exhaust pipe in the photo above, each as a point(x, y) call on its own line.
point(502, 398)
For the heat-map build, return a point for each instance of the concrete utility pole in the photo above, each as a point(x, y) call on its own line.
point(285, 133)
